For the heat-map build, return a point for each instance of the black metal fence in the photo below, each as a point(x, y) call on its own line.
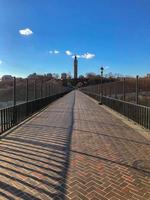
point(18, 90)
point(133, 90)
point(26, 97)
point(125, 96)
point(138, 113)
point(12, 116)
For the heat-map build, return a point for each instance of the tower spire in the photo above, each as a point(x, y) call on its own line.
point(75, 67)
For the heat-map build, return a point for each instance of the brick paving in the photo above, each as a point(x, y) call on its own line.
point(75, 149)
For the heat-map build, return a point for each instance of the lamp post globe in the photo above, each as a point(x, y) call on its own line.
point(102, 70)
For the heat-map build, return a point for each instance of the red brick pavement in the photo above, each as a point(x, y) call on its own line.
point(75, 149)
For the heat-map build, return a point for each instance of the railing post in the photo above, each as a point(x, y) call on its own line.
point(27, 90)
point(52, 89)
point(14, 101)
point(41, 88)
point(2, 124)
point(115, 90)
point(101, 87)
point(99, 91)
point(105, 89)
point(49, 89)
point(124, 92)
point(14, 92)
point(35, 95)
point(42, 94)
point(27, 96)
point(137, 89)
point(46, 89)
point(109, 89)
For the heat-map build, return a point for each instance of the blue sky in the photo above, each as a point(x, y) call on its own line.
point(35, 35)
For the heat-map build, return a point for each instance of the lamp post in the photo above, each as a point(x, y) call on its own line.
point(101, 71)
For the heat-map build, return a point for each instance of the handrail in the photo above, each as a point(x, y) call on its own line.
point(136, 112)
point(13, 115)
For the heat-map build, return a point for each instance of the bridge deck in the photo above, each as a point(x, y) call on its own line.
point(75, 149)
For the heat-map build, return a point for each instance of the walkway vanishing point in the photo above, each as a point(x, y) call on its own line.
point(75, 149)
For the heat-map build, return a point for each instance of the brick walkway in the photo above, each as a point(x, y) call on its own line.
point(75, 149)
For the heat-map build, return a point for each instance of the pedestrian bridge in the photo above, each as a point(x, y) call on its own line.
point(75, 149)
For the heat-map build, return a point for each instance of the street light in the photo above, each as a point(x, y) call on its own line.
point(102, 70)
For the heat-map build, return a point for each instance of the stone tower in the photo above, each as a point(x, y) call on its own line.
point(75, 67)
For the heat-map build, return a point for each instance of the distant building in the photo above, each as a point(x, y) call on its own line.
point(63, 76)
point(148, 75)
point(34, 75)
point(81, 77)
point(7, 78)
point(75, 67)
point(68, 75)
point(49, 75)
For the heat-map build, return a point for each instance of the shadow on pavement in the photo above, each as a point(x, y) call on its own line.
point(34, 159)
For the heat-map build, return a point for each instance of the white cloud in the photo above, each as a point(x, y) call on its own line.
point(54, 52)
point(26, 32)
point(85, 56)
point(69, 53)
point(1, 62)
point(88, 55)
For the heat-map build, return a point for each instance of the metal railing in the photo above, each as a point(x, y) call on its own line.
point(12, 116)
point(133, 90)
point(138, 113)
point(134, 111)
point(19, 90)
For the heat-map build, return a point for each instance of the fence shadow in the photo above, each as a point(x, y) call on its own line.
point(34, 159)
